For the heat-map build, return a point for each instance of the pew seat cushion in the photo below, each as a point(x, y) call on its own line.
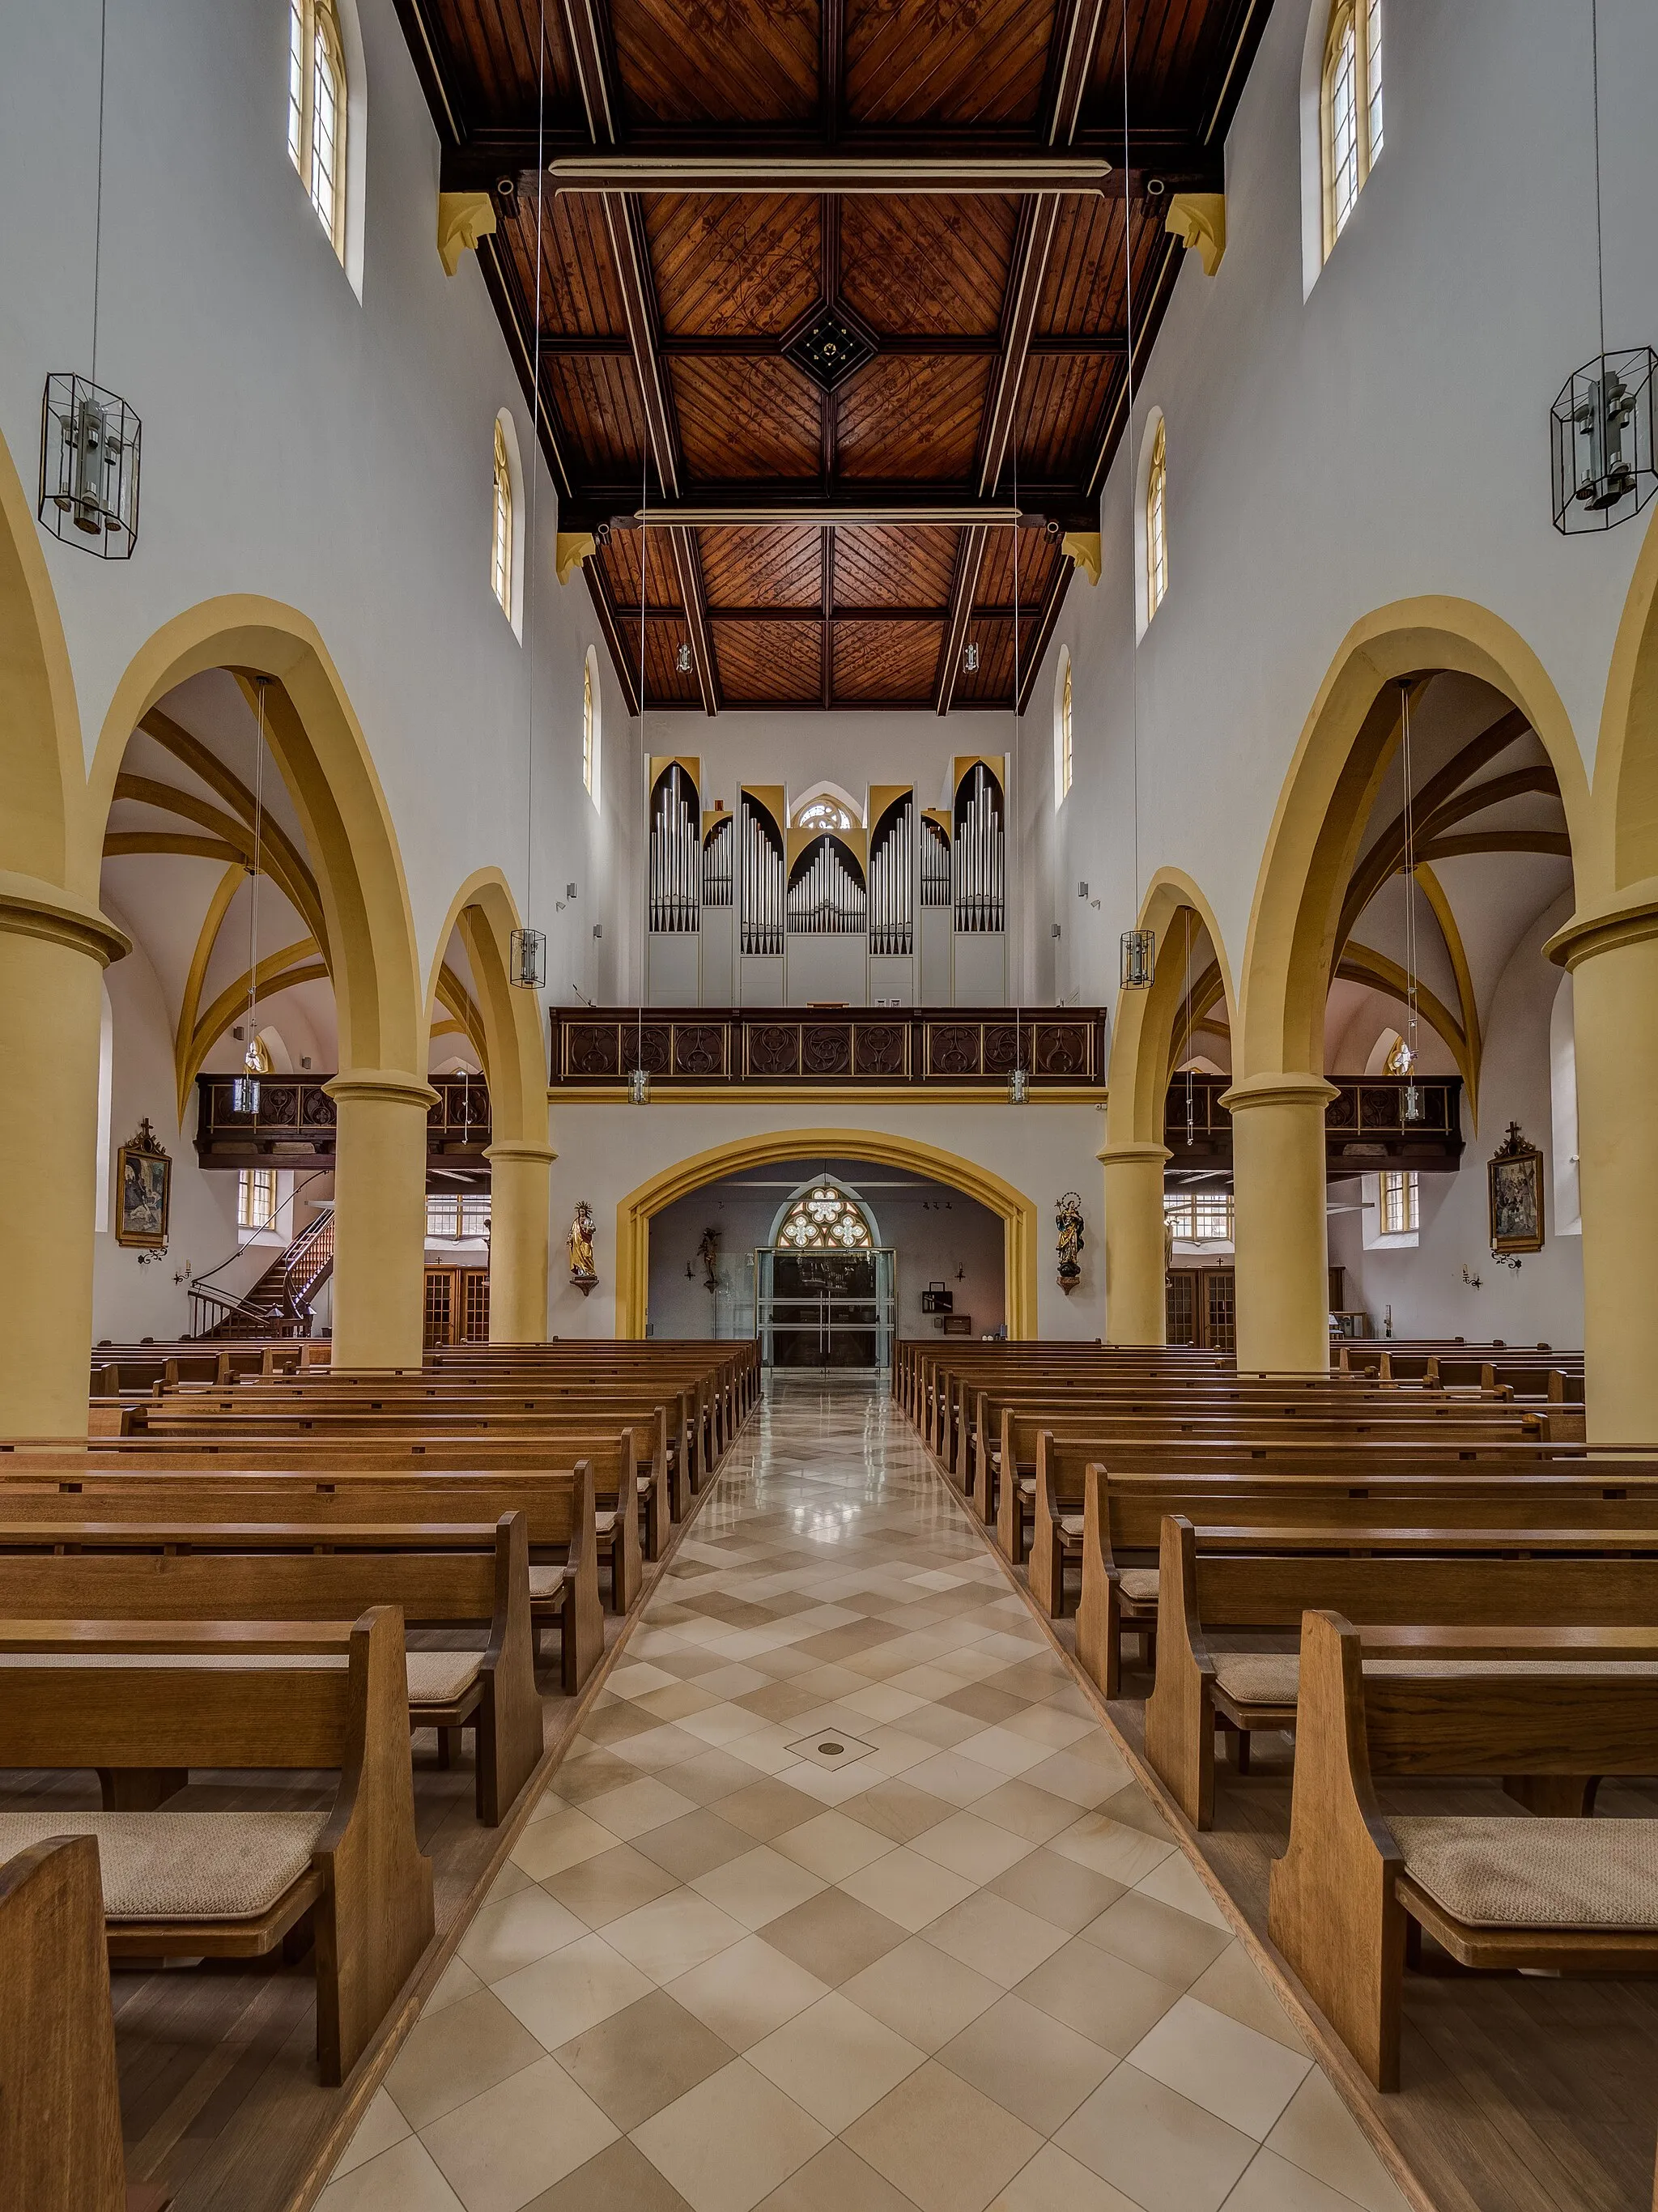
point(548, 1582)
point(605, 1523)
point(438, 1677)
point(1273, 1678)
point(183, 1866)
point(1525, 1872)
point(1138, 1585)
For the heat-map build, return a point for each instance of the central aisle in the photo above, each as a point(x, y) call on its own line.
point(845, 1902)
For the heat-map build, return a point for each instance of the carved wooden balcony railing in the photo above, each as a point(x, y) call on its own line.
point(295, 1125)
point(1365, 1124)
point(895, 1048)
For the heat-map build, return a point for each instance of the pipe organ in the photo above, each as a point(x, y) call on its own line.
point(675, 849)
point(767, 904)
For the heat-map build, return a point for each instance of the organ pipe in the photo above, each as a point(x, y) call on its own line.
point(760, 869)
point(717, 863)
point(827, 896)
point(676, 852)
point(892, 882)
point(935, 864)
point(979, 853)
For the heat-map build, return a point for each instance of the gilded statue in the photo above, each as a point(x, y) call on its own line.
point(581, 1241)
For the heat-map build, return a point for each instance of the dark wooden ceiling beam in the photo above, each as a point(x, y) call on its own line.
point(706, 346)
point(1059, 584)
point(604, 607)
point(831, 74)
point(689, 568)
point(826, 634)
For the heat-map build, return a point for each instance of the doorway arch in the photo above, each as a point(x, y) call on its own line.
point(882, 1148)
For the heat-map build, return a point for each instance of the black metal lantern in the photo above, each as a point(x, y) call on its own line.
point(1139, 958)
point(1600, 428)
point(90, 449)
point(526, 959)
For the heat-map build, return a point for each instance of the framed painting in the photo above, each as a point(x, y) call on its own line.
point(1515, 1194)
point(144, 1191)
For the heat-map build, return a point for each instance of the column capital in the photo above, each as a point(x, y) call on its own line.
point(1286, 1088)
point(1606, 928)
point(30, 908)
point(515, 1148)
point(393, 1084)
point(1122, 1156)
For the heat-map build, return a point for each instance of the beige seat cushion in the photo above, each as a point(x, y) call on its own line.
point(182, 1866)
point(547, 1580)
point(1139, 1583)
point(604, 1524)
point(1536, 1874)
point(1071, 1528)
point(1271, 1678)
point(1027, 1485)
point(438, 1677)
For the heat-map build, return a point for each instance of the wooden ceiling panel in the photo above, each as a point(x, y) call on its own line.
point(740, 420)
point(1084, 292)
point(778, 567)
point(935, 265)
point(734, 267)
point(489, 47)
point(913, 415)
point(886, 661)
point(894, 567)
point(1039, 556)
point(946, 61)
point(597, 397)
point(578, 290)
point(761, 663)
point(1178, 51)
point(991, 684)
point(1061, 406)
point(619, 560)
point(664, 684)
point(717, 61)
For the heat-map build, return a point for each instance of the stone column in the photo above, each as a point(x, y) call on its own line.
point(1136, 1304)
point(520, 1193)
point(1283, 1248)
point(53, 954)
point(380, 1217)
point(1613, 959)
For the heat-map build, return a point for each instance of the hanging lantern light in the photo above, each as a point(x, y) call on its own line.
point(970, 656)
point(1139, 958)
point(639, 1086)
point(682, 660)
point(90, 448)
point(244, 1090)
point(526, 958)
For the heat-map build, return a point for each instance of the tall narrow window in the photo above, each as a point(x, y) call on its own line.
point(500, 544)
point(588, 762)
point(255, 1198)
point(316, 110)
point(1065, 755)
point(1350, 108)
point(1157, 525)
point(1401, 1203)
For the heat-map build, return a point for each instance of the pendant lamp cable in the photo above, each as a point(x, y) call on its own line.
point(534, 473)
point(1410, 880)
point(253, 885)
point(1185, 1040)
point(1600, 260)
point(98, 216)
point(644, 548)
point(1128, 430)
point(1013, 780)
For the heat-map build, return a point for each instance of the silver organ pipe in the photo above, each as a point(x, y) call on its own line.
point(827, 897)
point(717, 864)
point(935, 865)
point(676, 852)
point(892, 883)
point(980, 854)
point(760, 869)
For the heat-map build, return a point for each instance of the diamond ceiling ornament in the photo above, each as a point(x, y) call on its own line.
point(830, 348)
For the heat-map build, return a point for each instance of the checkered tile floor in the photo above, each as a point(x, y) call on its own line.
point(844, 1902)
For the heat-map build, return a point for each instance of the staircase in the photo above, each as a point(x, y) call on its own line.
point(281, 1302)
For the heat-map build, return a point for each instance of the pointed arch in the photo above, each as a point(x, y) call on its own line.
point(509, 1036)
point(1151, 1027)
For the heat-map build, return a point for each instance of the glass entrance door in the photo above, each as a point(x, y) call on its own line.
point(825, 1309)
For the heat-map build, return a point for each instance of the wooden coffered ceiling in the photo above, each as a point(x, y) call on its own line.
point(947, 182)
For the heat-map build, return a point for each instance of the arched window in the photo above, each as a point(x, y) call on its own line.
point(823, 814)
point(825, 1219)
point(1157, 523)
point(501, 535)
point(1350, 108)
point(589, 728)
point(1064, 759)
point(316, 110)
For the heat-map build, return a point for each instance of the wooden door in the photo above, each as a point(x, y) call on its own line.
point(1220, 1310)
point(475, 1306)
point(1181, 1306)
point(442, 1305)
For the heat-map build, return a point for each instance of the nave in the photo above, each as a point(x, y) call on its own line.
point(958, 1962)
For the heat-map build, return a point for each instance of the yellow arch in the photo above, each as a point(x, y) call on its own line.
point(1343, 753)
point(1142, 1033)
point(1626, 852)
point(885, 1148)
point(42, 769)
point(514, 1056)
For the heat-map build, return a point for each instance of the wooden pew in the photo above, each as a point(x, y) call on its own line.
point(1224, 1581)
point(204, 1571)
point(341, 1505)
point(1355, 1889)
point(199, 1698)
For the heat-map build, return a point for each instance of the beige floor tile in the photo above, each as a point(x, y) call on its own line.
point(833, 1936)
point(458, 2053)
point(1134, 1809)
point(659, 1750)
point(401, 2179)
point(1047, 1724)
point(1242, 2077)
point(1055, 2183)
point(925, 1681)
point(381, 2126)
point(1103, 1998)
point(943, 2142)
point(711, 1776)
point(1033, 2065)
point(954, 1776)
point(1236, 1986)
point(745, 1992)
point(1175, 1882)
point(723, 1724)
point(506, 2146)
point(1317, 2132)
point(1005, 1752)
point(455, 1981)
point(675, 1701)
point(833, 1844)
point(995, 1938)
point(567, 1837)
point(637, 1808)
point(516, 1932)
point(834, 2059)
point(560, 1995)
point(1057, 1889)
point(694, 1844)
point(921, 1993)
point(836, 2180)
point(968, 1844)
point(765, 1807)
point(908, 1887)
point(642, 2058)
point(881, 1702)
point(1023, 1810)
point(1084, 1782)
point(1163, 2152)
point(637, 1679)
point(1271, 2183)
point(731, 2140)
point(599, 1890)
point(1108, 1847)
point(731, 1680)
point(757, 1885)
point(620, 2179)
point(1157, 1938)
point(669, 1936)
point(509, 1877)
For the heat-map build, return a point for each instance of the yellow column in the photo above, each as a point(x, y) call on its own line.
point(52, 953)
point(380, 1217)
point(520, 1188)
point(1283, 1250)
point(1136, 1307)
point(1614, 961)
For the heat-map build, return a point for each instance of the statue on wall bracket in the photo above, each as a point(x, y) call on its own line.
point(583, 1228)
point(1068, 1220)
